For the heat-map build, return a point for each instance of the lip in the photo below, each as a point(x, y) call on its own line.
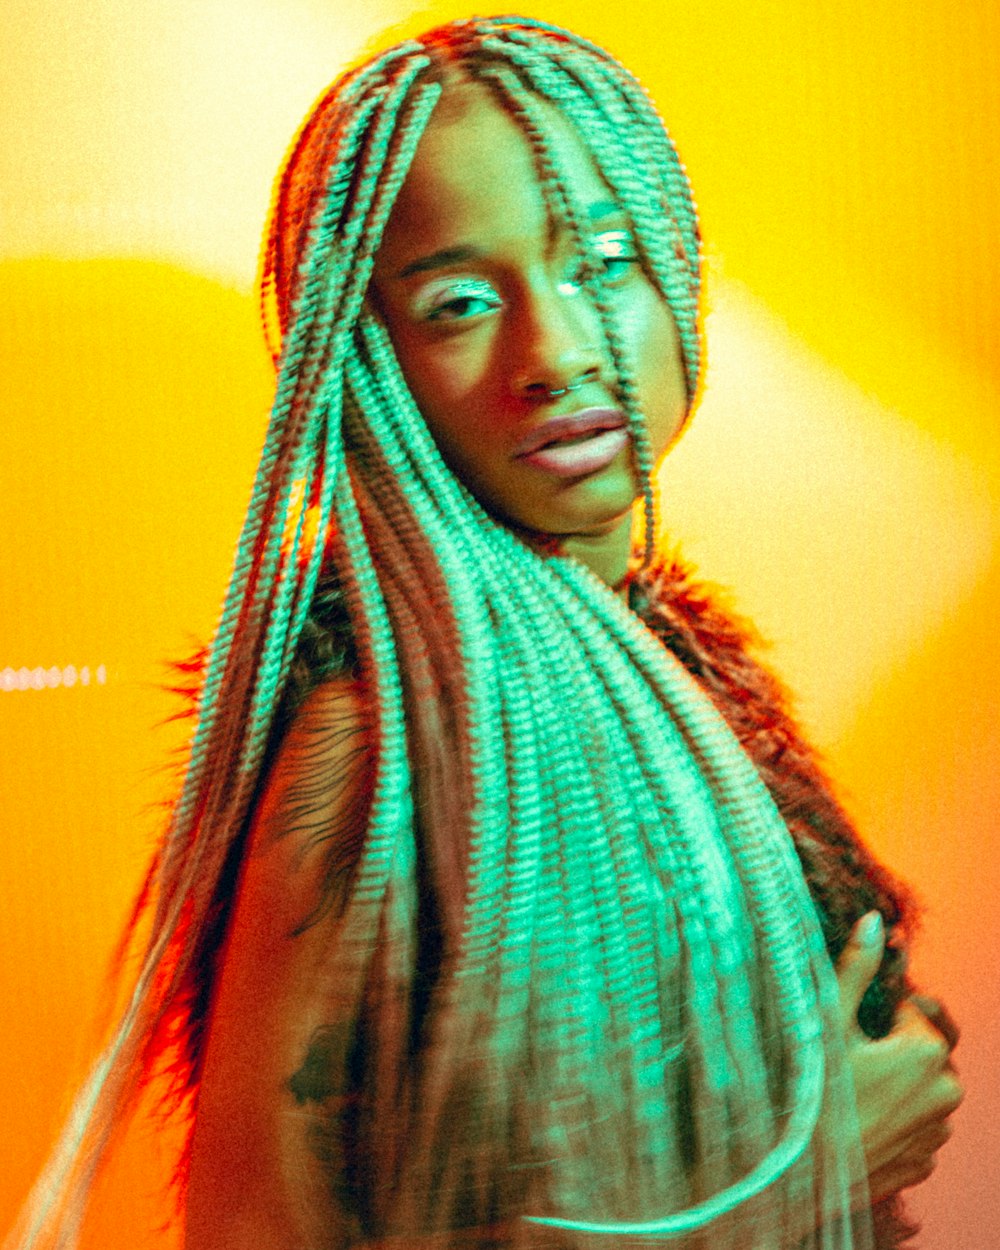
point(578, 460)
point(574, 424)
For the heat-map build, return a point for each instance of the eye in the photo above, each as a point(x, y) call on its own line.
point(459, 300)
point(613, 257)
point(618, 252)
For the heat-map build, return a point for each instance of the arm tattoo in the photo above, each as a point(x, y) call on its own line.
point(314, 1081)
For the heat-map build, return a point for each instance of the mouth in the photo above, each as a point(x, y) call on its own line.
point(571, 429)
point(579, 455)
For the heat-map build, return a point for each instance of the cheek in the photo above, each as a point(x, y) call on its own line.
point(659, 368)
point(445, 378)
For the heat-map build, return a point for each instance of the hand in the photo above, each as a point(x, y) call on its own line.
point(905, 1083)
point(939, 1016)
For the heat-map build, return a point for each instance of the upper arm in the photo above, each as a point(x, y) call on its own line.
point(253, 1178)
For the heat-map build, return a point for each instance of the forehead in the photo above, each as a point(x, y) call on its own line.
point(474, 178)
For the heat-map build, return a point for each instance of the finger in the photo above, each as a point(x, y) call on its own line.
point(917, 1040)
point(912, 1161)
point(858, 964)
point(899, 1174)
point(918, 1048)
point(926, 1140)
point(916, 1030)
point(939, 1016)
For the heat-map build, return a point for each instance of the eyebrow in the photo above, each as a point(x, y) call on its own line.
point(465, 252)
point(438, 260)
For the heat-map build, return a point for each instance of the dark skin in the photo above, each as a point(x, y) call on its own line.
point(256, 1177)
point(472, 287)
point(480, 373)
point(479, 291)
point(906, 1084)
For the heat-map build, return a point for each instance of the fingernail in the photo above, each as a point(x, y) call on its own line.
point(869, 931)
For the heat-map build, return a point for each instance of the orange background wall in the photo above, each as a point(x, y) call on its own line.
point(841, 477)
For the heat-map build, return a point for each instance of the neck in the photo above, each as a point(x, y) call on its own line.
point(606, 554)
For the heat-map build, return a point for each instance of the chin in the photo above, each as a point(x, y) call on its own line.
point(594, 509)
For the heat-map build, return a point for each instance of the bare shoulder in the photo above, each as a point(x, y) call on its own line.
point(302, 847)
point(313, 805)
point(254, 1178)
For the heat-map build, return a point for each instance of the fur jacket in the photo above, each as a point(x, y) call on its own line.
point(844, 878)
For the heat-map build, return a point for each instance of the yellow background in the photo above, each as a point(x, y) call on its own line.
point(841, 477)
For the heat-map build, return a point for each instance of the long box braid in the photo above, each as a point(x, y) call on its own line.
point(631, 1031)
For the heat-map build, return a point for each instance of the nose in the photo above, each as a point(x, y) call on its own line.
point(560, 344)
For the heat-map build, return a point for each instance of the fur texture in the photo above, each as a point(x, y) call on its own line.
point(844, 878)
point(718, 649)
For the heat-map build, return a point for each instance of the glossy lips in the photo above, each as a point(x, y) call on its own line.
point(574, 445)
point(577, 459)
point(573, 425)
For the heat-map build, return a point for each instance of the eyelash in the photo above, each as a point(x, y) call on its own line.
point(625, 253)
point(470, 290)
point(462, 292)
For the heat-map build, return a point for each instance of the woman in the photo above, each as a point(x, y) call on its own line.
point(478, 922)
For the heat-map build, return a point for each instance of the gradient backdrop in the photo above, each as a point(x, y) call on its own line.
point(841, 478)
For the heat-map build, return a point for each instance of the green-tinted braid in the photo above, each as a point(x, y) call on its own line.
point(556, 187)
point(504, 580)
point(634, 154)
point(631, 1023)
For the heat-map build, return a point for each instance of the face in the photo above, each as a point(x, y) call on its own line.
point(481, 294)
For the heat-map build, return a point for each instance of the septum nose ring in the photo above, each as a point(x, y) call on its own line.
point(558, 391)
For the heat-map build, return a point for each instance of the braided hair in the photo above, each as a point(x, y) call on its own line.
point(631, 1028)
